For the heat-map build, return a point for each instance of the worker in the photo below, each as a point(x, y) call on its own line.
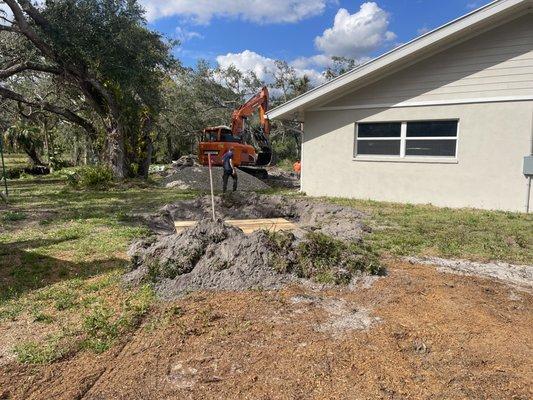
point(229, 170)
point(297, 167)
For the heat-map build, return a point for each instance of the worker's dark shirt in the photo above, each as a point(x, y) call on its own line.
point(226, 161)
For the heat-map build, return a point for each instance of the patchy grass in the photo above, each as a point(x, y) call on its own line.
point(423, 230)
point(15, 160)
point(60, 265)
point(68, 233)
point(32, 352)
point(11, 216)
point(15, 165)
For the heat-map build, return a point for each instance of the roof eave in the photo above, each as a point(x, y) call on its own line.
point(440, 36)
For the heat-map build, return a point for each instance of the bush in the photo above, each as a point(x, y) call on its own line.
point(322, 258)
point(13, 216)
point(330, 260)
point(90, 177)
point(14, 172)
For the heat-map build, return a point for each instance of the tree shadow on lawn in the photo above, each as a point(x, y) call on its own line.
point(23, 270)
point(55, 200)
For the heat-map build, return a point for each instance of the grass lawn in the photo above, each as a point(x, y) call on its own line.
point(62, 252)
point(420, 230)
point(15, 160)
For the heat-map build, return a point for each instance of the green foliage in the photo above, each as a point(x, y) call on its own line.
point(339, 66)
point(102, 328)
point(330, 260)
point(32, 352)
point(91, 177)
point(285, 148)
point(13, 216)
point(111, 39)
point(322, 258)
point(14, 172)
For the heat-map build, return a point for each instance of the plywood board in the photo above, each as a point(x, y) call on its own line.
point(248, 225)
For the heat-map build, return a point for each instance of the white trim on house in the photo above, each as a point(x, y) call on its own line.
point(503, 99)
point(439, 37)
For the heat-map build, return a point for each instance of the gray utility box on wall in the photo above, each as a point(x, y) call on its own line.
point(528, 165)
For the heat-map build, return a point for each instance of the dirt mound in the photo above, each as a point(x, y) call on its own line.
point(208, 256)
point(340, 222)
point(187, 174)
point(280, 178)
point(328, 247)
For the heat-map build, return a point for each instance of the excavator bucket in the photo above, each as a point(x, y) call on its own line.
point(264, 157)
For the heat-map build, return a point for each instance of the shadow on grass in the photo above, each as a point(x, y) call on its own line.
point(54, 199)
point(23, 270)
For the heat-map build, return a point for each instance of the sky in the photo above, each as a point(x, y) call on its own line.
point(251, 34)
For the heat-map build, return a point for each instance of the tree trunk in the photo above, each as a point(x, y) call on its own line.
point(146, 161)
point(115, 151)
point(31, 151)
point(147, 149)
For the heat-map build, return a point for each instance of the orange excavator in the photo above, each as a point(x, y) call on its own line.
point(251, 147)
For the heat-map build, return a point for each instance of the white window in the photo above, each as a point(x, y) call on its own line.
point(407, 139)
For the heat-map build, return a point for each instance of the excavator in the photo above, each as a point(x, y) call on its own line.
point(251, 147)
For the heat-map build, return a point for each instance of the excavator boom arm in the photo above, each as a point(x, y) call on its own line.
point(259, 101)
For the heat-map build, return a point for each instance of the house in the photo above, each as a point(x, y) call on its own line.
point(445, 119)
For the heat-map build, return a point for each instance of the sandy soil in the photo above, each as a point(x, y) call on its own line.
point(416, 334)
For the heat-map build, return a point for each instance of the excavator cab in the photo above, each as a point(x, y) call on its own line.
point(217, 141)
point(251, 147)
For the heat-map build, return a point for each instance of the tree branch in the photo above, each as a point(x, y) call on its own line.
point(26, 29)
point(34, 14)
point(63, 112)
point(28, 65)
point(7, 28)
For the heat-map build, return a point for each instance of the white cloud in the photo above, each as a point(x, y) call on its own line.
point(356, 35)
point(263, 66)
point(259, 11)
point(317, 61)
point(352, 35)
point(184, 35)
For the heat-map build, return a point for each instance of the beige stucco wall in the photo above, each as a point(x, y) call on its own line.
point(493, 139)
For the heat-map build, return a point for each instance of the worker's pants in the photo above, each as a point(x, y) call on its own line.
point(225, 178)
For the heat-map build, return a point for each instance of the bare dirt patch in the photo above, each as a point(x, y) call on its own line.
point(440, 336)
point(520, 276)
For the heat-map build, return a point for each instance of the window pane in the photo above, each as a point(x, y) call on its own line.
point(443, 148)
point(378, 147)
point(389, 129)
point(432, 128)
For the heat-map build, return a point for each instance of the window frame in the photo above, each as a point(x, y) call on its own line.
point(402, 157)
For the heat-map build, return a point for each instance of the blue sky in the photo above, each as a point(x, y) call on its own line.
point(251, 33)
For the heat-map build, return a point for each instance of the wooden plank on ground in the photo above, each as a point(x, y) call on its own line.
point(249, 225)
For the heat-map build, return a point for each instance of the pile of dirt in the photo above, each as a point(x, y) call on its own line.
point(340, 222)
point(327, 248)
point(280, 178)
point(208, 256)
point(187, 174)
